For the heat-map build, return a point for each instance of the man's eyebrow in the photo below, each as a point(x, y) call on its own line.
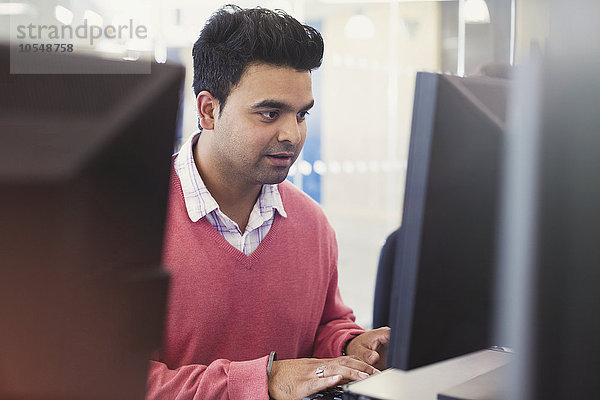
point(279, 105)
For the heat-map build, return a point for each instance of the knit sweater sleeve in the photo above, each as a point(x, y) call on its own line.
point(337, 324)
point(220, 380)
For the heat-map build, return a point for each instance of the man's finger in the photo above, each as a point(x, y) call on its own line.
point(357, 363)
point(372, 357)
point(347, 373)
point(318, 384)
point(382, 338)
point(369, 357)
point(380, 341)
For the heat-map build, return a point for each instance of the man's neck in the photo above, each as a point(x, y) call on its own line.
point(235, 199)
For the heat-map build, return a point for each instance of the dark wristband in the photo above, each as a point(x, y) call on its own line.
point(272, 357)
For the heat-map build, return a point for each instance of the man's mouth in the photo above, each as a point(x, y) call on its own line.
point(281, 159)
point(282, 155)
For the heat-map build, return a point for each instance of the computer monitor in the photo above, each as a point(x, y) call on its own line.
point(84, 172)
point(550, 240)
point(444, 265)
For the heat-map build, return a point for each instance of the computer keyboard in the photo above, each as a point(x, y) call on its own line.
point(334, 393)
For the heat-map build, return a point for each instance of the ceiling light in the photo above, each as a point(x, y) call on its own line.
point(320, 167)
point(63, 14)
point(15, 9)
point(93, 18)
point(359, 26)
point(476, 12)
point(305, 168)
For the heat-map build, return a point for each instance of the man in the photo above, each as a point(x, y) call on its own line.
point(253, 260)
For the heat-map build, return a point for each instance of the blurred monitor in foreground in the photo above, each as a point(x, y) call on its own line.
point(444, 265)
point(84, 170)
point(550, 247)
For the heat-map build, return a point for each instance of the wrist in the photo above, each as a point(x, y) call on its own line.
point(346, 346)
point(272, 358)
point(271, 371)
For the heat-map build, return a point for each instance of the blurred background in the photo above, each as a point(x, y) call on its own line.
point(354, 160)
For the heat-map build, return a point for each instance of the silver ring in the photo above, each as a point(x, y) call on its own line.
point(320, 371)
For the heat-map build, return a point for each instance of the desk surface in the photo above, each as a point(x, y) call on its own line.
point(427, 382)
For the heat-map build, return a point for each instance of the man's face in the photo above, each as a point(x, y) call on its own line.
point(261, 129)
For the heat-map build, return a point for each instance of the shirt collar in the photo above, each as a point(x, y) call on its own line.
point(198, 200)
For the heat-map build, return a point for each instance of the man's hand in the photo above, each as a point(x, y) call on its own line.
point(295, 379)
point(370, 347)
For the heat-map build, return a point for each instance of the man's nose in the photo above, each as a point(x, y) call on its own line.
point(290, 130)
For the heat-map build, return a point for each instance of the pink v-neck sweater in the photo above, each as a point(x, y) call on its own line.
point(227, 311)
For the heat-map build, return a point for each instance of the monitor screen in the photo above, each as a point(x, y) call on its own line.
point(444, 265)
point(84, 172)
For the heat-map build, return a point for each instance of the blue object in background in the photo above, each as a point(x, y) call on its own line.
point(311, 184)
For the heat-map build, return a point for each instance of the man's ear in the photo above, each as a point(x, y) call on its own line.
point(208, 107)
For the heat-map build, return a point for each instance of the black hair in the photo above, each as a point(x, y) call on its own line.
point(234, 37)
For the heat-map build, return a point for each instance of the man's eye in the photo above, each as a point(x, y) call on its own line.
point(269, 114)
point(302, 115)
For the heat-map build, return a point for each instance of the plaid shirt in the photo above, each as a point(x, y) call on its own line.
point(200, 203)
